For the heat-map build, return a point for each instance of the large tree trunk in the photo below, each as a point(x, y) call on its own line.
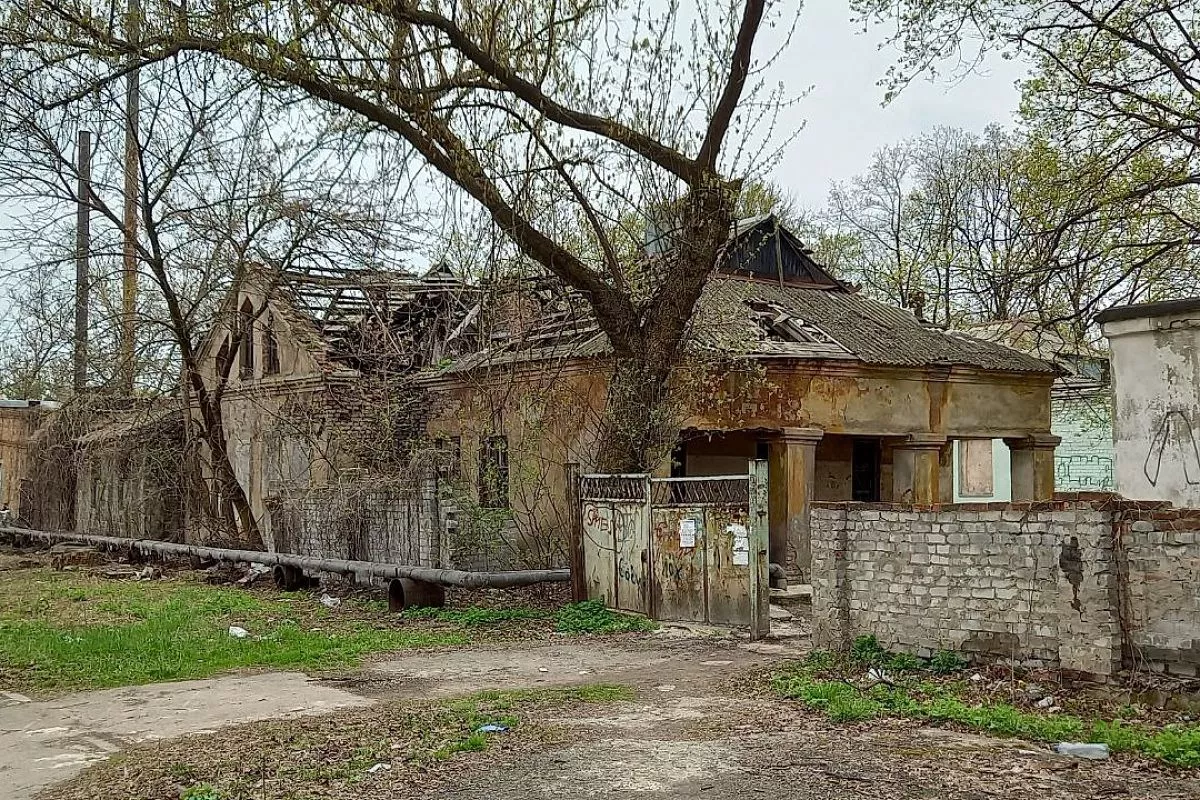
point(641, 419)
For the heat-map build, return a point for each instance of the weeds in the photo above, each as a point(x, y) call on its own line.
point(820, 682)
point(591, 616)
point(588, 617)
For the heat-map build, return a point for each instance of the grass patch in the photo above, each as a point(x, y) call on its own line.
point(588, 617)
point(67, 630)
point(591, 616)
point(330, 756)
point(827, 684)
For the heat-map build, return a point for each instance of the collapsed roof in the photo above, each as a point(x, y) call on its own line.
point(378, 319)
point(768, 299)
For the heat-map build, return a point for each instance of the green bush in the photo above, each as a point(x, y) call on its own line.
point(904, 662)
point(200, 791)
point(945, 662)
point(867, 651)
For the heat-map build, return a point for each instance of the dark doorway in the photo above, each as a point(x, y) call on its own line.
point(865, 471)
point(679, 461)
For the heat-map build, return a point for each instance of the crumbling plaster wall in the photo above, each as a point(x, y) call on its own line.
point(1156, 427)
point(1086, 586)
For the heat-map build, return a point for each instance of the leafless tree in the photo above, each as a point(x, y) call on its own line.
point(225, 190)
point(562, 120)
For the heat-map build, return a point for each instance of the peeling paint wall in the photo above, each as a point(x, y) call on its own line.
point(1156, 426)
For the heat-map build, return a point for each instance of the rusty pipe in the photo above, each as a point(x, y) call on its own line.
point(371, 569)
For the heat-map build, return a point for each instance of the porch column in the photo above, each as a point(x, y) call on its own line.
point(1032, 465)
point(917, 469)
point(791, 465)
point(946, 476)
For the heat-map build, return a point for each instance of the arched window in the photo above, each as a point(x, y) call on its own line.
point(246, 329)
point(270, 347)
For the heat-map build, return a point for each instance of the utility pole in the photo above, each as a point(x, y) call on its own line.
point(129, 285)
point(83, 160)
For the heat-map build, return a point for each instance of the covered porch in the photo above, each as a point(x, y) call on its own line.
point(808, 464)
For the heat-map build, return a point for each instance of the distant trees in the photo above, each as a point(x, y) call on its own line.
point(1096, 199)
point(972, 228)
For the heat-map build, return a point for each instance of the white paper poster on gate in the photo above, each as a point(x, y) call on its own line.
point(741, 544)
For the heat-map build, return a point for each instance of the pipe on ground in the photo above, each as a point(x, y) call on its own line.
point(369, 569)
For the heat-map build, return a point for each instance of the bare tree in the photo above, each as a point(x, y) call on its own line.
point(559, 119)
point(224, 191)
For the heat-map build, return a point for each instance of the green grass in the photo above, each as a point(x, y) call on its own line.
point(815, 683)
point(67, 631)
point(588, 617)
point(591, 616)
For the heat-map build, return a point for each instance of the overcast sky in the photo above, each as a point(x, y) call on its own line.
point(843, 120)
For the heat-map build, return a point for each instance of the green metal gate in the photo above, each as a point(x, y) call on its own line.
point(678, 549)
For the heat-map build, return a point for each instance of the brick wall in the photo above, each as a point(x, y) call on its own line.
point(1083, 461)
point(388, 523)
point(1084, 585)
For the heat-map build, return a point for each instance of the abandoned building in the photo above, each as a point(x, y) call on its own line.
point(1080, 415)
point(1156, 386)
point(313, 370)
point(845, 397)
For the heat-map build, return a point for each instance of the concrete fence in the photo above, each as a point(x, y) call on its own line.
point(1087, 583)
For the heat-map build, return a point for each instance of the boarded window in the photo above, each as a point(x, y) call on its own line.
point(270, 347)
point(493, 472)
point(975, 478)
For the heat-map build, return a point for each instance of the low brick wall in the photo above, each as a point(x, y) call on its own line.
point(1089, 585)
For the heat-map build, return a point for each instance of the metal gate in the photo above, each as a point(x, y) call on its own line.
point(680, 549)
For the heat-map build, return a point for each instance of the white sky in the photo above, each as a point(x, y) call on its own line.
point(844, 122)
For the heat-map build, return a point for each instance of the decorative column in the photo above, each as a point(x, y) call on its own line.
point(791, 465)
point(917, 469)
point(1032, 465)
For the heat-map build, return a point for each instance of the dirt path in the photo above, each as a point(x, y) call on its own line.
point(691, 733)
point(42, 742)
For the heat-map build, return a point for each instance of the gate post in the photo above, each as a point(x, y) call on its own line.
point(575, 534)
point(760, 592)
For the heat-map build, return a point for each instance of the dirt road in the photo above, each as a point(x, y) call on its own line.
point(696, 730)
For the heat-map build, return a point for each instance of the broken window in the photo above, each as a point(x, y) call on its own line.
point(448, 453)
point(975, 478)
point(493, 472)
point(246, 332)
point(270, 347)
point(781, 325)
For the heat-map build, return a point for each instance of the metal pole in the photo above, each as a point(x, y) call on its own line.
point(83, 158)
point(129, 286)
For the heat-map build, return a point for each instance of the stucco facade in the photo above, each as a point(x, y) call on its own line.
point(1156, 385)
